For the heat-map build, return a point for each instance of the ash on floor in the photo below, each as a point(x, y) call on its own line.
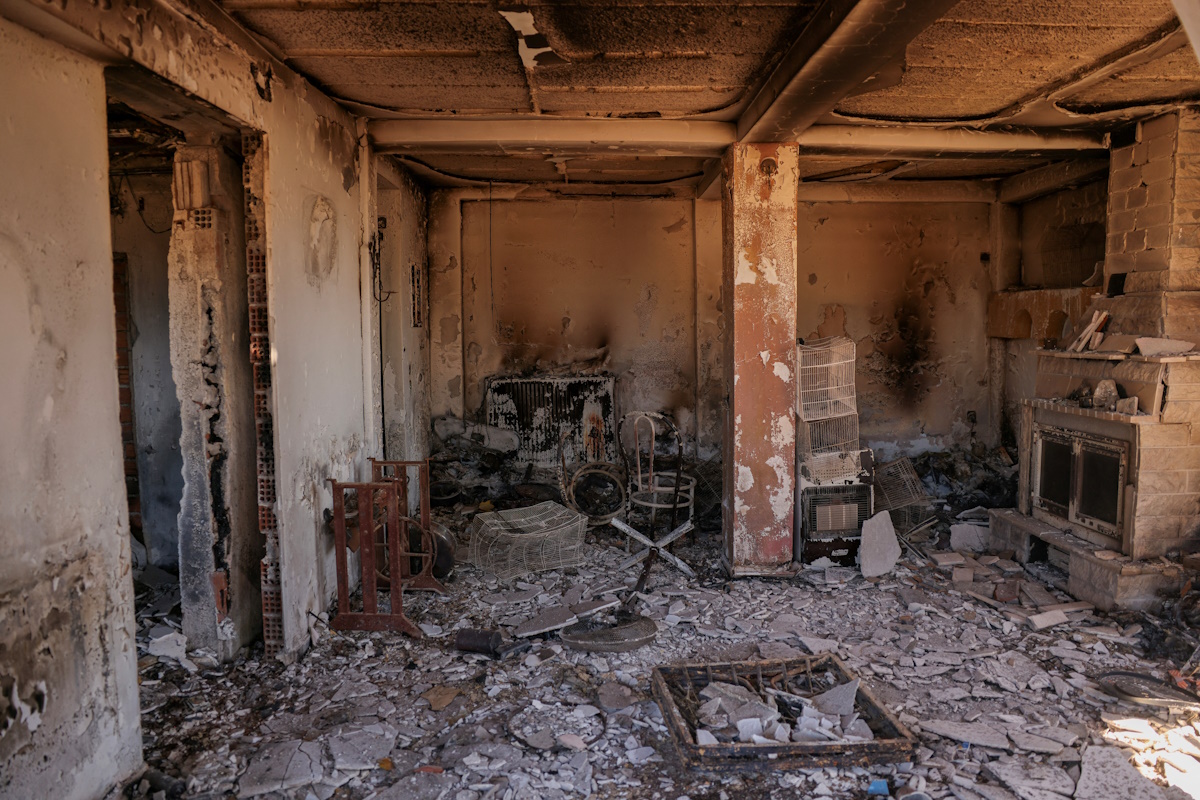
point(1002, 711)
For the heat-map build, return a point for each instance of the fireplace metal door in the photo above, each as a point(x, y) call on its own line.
point(1080, 478)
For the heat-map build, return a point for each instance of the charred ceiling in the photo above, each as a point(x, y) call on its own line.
point(988, 64)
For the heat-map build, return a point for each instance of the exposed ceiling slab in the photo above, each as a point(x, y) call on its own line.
point(984, 56)
point(884, 90)
point(655, 58)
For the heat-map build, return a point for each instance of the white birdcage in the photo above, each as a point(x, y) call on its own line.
point(826, 380)
point(828, 448)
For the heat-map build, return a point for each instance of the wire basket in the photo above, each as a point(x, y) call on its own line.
point(520, 541)
point(897, 485)
point(826, 381)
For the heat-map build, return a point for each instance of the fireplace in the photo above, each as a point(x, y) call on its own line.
point(1118, 481)
point(1080, 479)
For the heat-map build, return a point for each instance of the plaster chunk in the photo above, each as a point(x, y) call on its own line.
point(879, 550)
point(783, 372)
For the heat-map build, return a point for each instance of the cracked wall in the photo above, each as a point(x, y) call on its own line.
point(68, 718)
point(909, 283)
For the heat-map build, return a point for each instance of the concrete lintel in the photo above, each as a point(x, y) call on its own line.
point(1038, 182)
point(911, 141)
point(656, 136)
point(899, 192)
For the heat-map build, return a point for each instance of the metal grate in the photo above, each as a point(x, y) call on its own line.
point(541, 410)
point(519, 541)
point(897, 485)
point(826, 380)
point(834, 512)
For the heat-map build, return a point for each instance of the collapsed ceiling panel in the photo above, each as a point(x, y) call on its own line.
point(986, 55)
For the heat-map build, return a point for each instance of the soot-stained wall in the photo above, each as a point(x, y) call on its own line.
point(405, 318)
point(1062, 236)
point(144, 238)
point(68, 677)
point(908, 282)
point(556, 286)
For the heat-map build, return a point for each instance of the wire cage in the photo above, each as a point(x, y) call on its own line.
point(897, 485)
point(907, 518)
point(520, 541)
point(826, 380)
point(828, 448)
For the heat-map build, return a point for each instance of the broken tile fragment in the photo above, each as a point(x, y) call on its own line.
point(970, 732)
point(1047, 619)
point(1031, 780)
point(973, 538)
point(280, 766)
point(441, 696)
point(943, 558)
point(549, 620)
point(1035, 744)
point(1106, 774)
point(838, 701)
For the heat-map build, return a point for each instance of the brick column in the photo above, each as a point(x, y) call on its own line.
point(759, 286)
point(1154, 229)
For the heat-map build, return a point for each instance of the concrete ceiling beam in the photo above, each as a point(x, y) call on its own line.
point(899, 192)
point(844, 44)
point(461, 136)
point(1042, 181)
point(927, 142)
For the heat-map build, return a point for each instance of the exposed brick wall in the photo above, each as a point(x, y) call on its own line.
point(125, 388)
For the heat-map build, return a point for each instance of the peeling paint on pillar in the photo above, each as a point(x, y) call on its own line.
point(759, 209)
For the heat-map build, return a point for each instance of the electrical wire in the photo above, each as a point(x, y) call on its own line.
point(140, 201)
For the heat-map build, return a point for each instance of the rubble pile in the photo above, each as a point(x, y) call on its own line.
point(1003, 709)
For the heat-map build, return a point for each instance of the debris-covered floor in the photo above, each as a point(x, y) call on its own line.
point(1001, 710)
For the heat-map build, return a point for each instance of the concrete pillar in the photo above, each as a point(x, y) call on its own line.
point(759, 275)
point(219, 545)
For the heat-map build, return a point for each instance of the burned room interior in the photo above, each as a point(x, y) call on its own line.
point(600, 399)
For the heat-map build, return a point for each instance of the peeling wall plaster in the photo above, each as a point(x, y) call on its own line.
point(67, 654)
point(907, 283)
